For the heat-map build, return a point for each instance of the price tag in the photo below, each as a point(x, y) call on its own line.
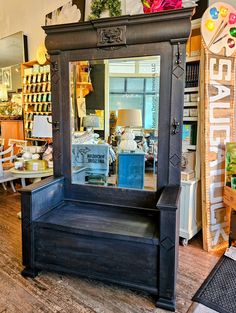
point(35, 166)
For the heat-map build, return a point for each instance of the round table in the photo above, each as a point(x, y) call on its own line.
point(34, 175)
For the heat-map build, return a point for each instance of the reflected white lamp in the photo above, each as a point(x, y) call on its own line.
point(129, 118)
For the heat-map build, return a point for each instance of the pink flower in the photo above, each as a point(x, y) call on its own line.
point(172, 4)
point(147, 6)
point(150, 6)
point(157, 5)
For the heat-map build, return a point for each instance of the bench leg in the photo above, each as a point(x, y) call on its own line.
point(29, 272)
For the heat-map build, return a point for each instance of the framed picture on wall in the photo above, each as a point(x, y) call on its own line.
point(6, 77)
point(70, 12)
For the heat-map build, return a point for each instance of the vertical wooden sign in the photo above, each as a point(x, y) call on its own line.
point(217, 128)
point(217, 118)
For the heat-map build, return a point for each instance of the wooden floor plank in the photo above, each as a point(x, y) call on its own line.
point(52, 292)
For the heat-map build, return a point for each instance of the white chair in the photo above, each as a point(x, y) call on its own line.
point(2, 142)
point(6, 175)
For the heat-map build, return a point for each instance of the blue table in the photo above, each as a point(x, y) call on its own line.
point(131, 168)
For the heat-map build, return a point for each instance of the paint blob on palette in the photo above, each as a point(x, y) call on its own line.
point(219, 28)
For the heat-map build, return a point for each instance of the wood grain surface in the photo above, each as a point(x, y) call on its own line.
point(50, 292)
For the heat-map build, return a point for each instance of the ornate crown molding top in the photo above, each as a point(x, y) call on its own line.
point(123, 30)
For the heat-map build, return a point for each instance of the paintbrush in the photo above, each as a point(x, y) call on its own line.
point(220, 39)
point(218, 32)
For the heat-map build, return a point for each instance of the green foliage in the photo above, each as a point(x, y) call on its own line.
point(99, 6)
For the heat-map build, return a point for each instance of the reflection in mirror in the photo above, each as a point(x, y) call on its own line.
point(114, 122)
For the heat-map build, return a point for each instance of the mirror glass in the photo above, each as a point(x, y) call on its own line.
point(114, 122)
point(13, 52)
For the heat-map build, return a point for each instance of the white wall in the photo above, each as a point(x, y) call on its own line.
point(27, 16)
point(232, 2)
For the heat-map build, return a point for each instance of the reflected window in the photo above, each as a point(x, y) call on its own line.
point(136, 93)
point(135, 85)
point(117, 85)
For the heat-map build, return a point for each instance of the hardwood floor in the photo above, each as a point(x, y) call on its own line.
point(51, 292)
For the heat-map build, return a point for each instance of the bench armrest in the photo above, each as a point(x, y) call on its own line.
point(36, 200)
point(39, 198)
point(169, 198)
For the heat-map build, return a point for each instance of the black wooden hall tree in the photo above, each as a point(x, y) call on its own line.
point(142, 257)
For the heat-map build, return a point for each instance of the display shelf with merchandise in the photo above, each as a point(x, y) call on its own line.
point(36, 93)
point(190, 204)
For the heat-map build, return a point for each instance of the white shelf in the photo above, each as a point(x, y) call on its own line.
point(191, 104)
point(191, 89)
point(190, 119)
point(189, 182)
point(196, 23)
point(187, 147)
point(191, 147)
point(193, 59)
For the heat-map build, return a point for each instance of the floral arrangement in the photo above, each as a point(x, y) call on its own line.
point(10, 110)
point(150, 6)
point(99, 6)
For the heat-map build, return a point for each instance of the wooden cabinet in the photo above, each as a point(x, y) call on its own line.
point(36, 94)
point(190, 203)
point(190, 210)
point(119, 235)
point(11, 129)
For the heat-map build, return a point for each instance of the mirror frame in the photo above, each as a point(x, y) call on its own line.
point(122, 37)
point(9, 43)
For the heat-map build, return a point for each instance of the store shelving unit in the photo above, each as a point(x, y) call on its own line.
point(36, 91)
point(190, 204)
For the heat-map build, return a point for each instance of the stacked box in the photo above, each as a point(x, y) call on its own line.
point(193, 112)
point(186, 112)
point(194, 97)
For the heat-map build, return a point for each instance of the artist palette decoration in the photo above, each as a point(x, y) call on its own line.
point(219, 28)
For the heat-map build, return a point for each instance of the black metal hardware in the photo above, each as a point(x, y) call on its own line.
point(178, 54)
point(176, 127)
point(54, 66)
point(55, 125)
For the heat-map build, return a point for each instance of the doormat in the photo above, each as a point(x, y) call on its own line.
point(218, 291)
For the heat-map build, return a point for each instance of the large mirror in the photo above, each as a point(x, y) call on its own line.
point(13, 52)
point(114, 122)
